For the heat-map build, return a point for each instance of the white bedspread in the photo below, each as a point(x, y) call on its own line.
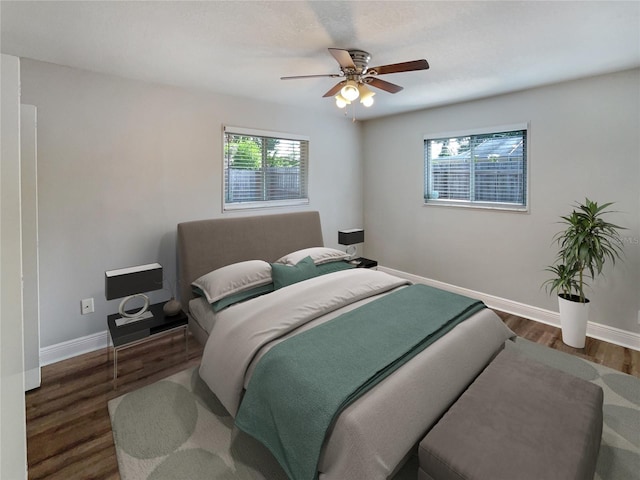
point(241, 331)
point(373, 435)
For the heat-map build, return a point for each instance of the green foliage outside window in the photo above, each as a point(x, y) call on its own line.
point(249, 153)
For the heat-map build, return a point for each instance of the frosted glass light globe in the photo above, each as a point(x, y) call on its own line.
point(350, 90)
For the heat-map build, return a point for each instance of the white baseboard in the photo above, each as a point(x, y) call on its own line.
point(606, 333)
point(72, 348)
point(31, 379)
point(90, 343)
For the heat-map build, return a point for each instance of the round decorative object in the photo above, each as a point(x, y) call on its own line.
point(172, 307)
point(123, 306)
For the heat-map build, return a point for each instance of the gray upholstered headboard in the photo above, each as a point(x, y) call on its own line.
point(205, 245)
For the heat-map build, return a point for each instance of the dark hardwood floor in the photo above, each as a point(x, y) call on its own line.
point(619, 358)
point(68, 427)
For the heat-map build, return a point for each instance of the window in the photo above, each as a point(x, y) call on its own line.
point(264, 169)
point(485, 169)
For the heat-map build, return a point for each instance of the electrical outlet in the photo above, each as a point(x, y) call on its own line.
point(86, 306)
point(638, 317)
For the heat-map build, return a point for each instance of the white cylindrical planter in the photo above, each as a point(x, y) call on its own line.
point(573, 320)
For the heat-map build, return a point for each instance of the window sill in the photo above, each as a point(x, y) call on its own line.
point(230, 207)
point(478, 206)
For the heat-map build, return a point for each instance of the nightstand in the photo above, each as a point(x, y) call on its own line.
point(141, 331)
point(362, 262)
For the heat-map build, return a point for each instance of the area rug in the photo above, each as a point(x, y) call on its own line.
point(177, 429)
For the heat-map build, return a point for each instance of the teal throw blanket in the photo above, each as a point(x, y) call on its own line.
point(301, 385)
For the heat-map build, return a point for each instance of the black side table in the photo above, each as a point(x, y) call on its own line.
point(362, 262)
point(141, 331)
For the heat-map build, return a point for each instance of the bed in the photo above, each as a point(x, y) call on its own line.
point(371, 437)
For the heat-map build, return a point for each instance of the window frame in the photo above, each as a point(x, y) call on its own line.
point(480, 205)
point(261, 204)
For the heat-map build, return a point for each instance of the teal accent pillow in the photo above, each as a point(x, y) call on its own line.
point(198, 291)
point(284, 275)
point(333, 267)
point(241, 297)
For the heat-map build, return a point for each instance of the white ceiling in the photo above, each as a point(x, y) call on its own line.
point(475, 49)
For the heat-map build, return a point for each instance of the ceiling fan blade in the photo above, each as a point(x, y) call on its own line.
point(383, 85)
point(399, 67)
point(332, 75)
point(336, 88)
point(342, 57)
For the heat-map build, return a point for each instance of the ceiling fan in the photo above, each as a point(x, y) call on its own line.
point(354, 68)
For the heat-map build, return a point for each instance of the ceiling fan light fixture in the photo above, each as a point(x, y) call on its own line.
point(367, 102)
point(341, 102)
point(366, 95)
point(350, 90)
point(356, 76)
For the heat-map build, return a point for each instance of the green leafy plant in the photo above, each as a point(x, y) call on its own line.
point(587, 242)
point(564, 280)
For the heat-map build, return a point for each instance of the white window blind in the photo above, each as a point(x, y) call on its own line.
point(482, 170)
point(263, 169)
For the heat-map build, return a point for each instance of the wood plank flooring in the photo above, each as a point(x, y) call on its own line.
point(68, 427)
point(619, 358)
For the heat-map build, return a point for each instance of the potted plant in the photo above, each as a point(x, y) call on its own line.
point(586, 243)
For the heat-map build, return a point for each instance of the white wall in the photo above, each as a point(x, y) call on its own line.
point(13, 437)
point(121, 162)
point(583, 141)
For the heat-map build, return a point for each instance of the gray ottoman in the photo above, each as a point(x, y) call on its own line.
point(519, 420)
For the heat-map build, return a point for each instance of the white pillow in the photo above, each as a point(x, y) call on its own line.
point(319, 255)
point(234, 278)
